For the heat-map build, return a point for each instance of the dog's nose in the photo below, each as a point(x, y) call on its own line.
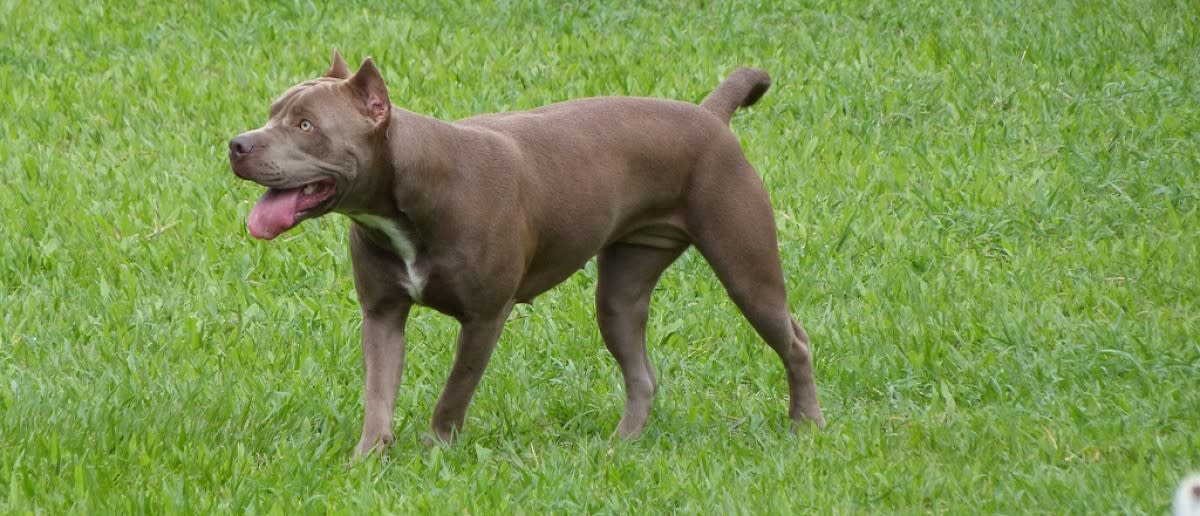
point(240, 146)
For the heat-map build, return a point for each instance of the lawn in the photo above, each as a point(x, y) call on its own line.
point(989, 215)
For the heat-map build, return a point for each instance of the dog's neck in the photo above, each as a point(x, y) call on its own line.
point(412, 171)
point(422, 163)
point(399, 193)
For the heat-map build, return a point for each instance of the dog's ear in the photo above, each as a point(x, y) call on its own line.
point(338, 70)
point(368, 84)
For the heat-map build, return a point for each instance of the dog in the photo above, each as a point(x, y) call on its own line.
point(1187, 497)
point(473, 216)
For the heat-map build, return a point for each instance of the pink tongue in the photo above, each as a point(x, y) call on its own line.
point(274, 213)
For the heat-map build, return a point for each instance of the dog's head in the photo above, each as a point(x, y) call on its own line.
point(322, 135)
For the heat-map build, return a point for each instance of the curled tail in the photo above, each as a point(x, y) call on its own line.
point(743, 88)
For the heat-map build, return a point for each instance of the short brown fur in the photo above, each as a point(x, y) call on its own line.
point(473, 216)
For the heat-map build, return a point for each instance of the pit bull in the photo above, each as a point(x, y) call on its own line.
point(470, 217)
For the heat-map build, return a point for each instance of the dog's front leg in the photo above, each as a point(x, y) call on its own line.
point(476, 341)
point(383, 360)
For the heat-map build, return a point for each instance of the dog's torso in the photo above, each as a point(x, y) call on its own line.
point(472, 216)
point(533, 195)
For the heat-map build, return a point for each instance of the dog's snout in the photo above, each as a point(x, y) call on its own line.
point(240, 146)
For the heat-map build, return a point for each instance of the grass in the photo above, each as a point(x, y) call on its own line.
point(988, 215)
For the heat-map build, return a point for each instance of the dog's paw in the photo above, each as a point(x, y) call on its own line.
point(369, 445)
point(439, 437)
point(806, 422)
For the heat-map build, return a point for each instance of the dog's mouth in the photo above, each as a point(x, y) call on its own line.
point(280, 209)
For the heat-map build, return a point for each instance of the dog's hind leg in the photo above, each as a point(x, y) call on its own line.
point(627, 275)
point(733, 226)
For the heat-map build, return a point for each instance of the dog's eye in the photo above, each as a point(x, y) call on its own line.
point(305, 125)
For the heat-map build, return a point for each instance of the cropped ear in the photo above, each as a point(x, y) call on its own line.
point(338, 70)
point(368, 84)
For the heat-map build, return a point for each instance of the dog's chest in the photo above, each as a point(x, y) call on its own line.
point(404, 247)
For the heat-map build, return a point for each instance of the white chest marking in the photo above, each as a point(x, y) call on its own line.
point(402, 246)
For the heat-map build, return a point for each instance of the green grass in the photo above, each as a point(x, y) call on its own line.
point(988, 215)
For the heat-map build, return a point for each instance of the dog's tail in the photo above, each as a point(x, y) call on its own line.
point(741, 89)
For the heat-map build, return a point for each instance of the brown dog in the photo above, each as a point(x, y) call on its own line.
point(472, 216)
